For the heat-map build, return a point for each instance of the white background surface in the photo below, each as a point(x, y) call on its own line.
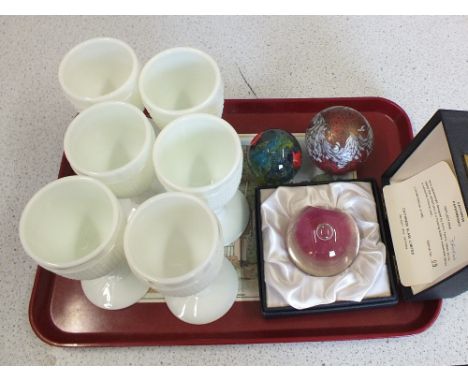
point(421, 63)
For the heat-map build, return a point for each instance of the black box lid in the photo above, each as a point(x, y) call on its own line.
point(455, 131)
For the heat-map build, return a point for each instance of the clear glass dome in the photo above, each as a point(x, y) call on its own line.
point(323, 241)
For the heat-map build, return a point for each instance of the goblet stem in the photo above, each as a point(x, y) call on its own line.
point(234, 217)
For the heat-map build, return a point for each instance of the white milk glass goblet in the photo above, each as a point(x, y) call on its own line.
point(181, 81)
point(100, 69)
point(74, 227)
point(201, 154)
point(112, 142)
point(173, 242)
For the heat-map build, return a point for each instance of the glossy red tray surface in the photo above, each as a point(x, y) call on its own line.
point(61, 315)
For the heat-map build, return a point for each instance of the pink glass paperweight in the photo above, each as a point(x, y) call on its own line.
point(323, 241)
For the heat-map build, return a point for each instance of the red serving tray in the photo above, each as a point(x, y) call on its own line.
point(61, 315)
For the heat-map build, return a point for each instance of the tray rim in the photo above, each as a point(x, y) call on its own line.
point(436, 304)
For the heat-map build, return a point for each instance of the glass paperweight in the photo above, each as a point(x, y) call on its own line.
point(274, 157)
point(323, 241)
point(338, 139)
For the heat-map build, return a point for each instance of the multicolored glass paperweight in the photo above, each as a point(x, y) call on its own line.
point(323, 241)
point(274, 157)
point(338, 139)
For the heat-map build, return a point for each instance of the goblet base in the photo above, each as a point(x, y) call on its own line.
point(211, 303)
point(117, 290)
point(234, 217)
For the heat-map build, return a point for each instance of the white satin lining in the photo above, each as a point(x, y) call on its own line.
point(286, 284)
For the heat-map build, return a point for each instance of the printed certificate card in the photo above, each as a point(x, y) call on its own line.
point(429, 226)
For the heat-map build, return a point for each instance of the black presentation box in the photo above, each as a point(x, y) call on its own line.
point(443, 139)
